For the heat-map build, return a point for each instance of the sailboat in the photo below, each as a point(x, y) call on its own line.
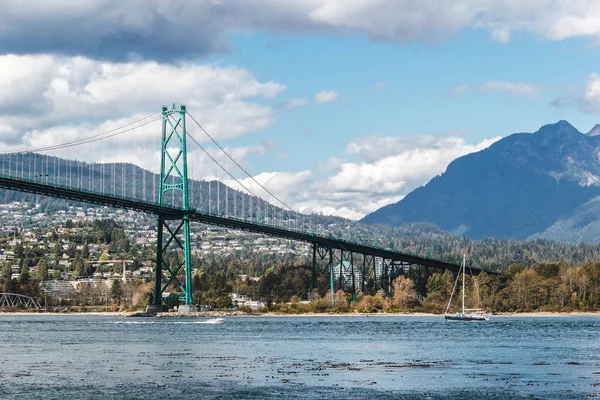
point(467, 314)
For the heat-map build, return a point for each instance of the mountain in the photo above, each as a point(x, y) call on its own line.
point(519, 187)
point(581, 225)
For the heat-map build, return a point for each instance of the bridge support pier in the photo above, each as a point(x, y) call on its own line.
point(313, 276)
point(320, 254)
point(155, 308)
point(331, 281)
point(173, 255)
point(347, 277)
point(184, 308)
point(368, 271)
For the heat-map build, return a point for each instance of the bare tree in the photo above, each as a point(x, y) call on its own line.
point(404, 291)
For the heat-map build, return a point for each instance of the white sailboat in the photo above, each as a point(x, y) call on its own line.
point(467, 314)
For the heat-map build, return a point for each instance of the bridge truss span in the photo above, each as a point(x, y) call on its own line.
point(14, 300)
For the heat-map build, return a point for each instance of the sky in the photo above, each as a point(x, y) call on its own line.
point(336, 106)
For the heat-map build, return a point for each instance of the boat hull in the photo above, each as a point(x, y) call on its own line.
point(466, 318)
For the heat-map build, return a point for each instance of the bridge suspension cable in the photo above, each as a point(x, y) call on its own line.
point(220, 166)
point(236, 163)
point(90, 139)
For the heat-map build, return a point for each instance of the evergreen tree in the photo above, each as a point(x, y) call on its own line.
point(6, 272)
point(24, 276)
point(42, 269)
point(116, 291)
point(85, 252)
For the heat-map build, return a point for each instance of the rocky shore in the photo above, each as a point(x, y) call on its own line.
point(203, 314)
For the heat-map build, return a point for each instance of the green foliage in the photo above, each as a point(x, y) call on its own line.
point(6, 272)
point(224, 302)
point(148, 297)
point(116, 291)
point(42, 269)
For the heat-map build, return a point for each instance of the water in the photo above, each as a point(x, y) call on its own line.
point(376, 357)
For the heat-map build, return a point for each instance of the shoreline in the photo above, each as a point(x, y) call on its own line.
point(213, 314)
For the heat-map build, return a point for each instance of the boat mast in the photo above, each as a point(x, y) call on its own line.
point(463, 288)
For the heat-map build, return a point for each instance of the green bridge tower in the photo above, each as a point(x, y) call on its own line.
point(173, 235)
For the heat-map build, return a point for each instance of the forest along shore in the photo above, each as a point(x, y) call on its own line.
point(221, 314)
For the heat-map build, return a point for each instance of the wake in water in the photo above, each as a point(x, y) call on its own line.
point(163, 322)
point(212, 321)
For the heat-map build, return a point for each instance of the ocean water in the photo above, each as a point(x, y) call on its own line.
point(337, 357)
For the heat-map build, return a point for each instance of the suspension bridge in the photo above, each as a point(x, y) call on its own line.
point(177, 201)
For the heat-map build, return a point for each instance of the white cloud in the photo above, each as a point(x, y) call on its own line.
point(287, 186)
point(381, 178)
point(459, 90)
point(159, 31)
point(513, 88)
point(45, 100)
point(587, 100)
point(58, 94)
point(296, 102)
point(354, 189)
point(590, 99)
point(326, 96)
point(501, 35)
point(379, 85)
point(201, 166)
point(332, 163)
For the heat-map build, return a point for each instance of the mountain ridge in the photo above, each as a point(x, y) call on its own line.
point(516, 188)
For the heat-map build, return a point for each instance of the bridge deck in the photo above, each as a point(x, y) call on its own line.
point(29, 186)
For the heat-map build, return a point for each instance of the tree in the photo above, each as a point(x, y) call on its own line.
point(85, 252)
point(129, 289)
point(42, 269)
point(404, 291)
point(24, 276)
point(196, 283)
point(369, 304)
point(18, 250)
point(11, 286)
point(340, 301)
point(224, 302)
point(116, 291)
point(439, 286)
point(527, 290)
point(6, 272)
point(83, 294)
point(79, 267)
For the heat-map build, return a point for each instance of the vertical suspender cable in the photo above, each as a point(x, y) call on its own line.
point(123, 180)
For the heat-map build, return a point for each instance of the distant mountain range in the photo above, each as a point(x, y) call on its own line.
point(528, 185)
